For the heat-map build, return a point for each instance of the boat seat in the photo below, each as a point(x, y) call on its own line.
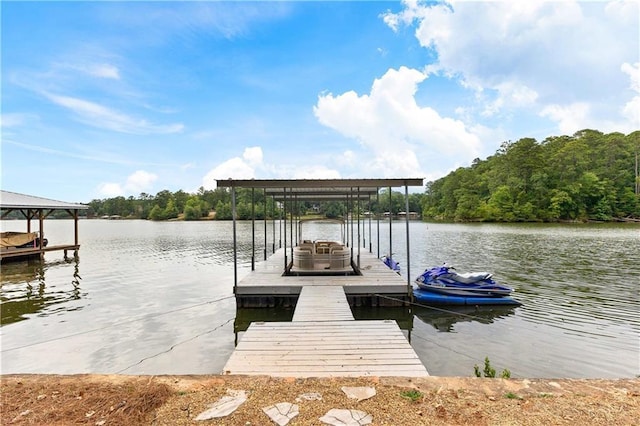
point(340, 258)
point(302, 258)
point(470, 277)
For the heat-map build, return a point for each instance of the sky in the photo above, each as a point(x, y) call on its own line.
point(106, 99)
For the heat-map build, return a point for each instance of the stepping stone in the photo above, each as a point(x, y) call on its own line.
point(342, 417)
point(281, 413)
point(224, 406)
point(359, 393)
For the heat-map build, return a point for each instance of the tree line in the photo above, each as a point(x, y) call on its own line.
point(166, 205)
point(587, 176)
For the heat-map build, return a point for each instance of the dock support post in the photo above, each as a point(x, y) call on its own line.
point(390, 223)
point(75, 227)
point(358, 219)
point(273, 224)
point(284, 207)
point(235, 245)
point(378, 219)
point(253, 230)
point(265, 222)
point(41, 220)
point(370, 213)
point(406, 201)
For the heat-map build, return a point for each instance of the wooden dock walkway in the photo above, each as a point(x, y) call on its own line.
point(37, 251)
point(328, 303)
point(324, 340)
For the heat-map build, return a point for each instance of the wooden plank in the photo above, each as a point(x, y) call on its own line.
point(35, 250)
point(318, 303)
point(306, 349)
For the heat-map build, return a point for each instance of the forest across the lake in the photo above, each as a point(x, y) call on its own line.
point(588, 176)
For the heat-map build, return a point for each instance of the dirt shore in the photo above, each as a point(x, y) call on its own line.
point(177, 400)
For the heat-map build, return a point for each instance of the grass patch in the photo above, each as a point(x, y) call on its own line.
point(413, 394)
point(489, 371)
point(511, 395)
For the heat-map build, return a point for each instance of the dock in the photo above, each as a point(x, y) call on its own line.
point(322, 279)
point(324, 340)
point(32, 208)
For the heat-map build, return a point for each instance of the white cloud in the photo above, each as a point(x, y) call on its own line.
point(570, 118)
point(631, 109)
point(15, 119)
point(347, 159)
point(100, 116)
point(140, 181)
point(316, 172)
point(137, 182)
point(556, 59)
point(110, 190)
point(104, 71)
point(403, 137)
point(253, 156)
point(235, 168)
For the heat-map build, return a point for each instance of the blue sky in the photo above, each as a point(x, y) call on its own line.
point(101, 99)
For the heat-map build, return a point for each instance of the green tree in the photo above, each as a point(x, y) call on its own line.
point(171, 211)
point(193, 208)
point(156, 213)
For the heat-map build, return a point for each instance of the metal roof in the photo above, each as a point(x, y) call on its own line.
point(319, 189)
point(12, 200)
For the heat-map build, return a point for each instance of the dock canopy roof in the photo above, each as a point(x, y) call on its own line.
point(319, 189)
point(12, 201)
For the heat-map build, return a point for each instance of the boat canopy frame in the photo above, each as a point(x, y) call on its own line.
point(38, 208)
point(289, 192)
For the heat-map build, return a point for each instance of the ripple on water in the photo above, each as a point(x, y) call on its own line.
point(578, 286)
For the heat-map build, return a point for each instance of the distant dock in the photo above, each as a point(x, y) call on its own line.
point(38, 209)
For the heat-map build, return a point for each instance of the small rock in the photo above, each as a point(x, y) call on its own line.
point(101, 422)
point(309, 396)
point(89, 413)
point(40, 397)
point(359, 393)
point(19, 416)
point(342, 417)
point(281, 413)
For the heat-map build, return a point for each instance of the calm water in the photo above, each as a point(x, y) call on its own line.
point(156, 298)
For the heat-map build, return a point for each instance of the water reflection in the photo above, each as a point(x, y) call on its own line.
point(24, 292)
point(401, 314)
point(445, 319)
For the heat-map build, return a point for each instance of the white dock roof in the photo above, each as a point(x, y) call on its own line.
point(13, 200)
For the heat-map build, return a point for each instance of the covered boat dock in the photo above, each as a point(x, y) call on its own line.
point(323, 279)
point(303, 261)
point(36, 208)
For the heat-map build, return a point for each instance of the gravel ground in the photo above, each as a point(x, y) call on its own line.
point(177, 400)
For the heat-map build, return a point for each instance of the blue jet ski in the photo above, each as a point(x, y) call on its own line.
point(445, 280)
point(391, 264)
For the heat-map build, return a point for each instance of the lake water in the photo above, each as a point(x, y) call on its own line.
point(156, 298)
